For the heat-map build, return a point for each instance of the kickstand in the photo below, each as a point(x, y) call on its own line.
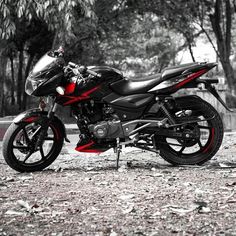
point(118, 151)
point(117, 158)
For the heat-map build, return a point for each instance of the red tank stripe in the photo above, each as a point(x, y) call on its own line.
point(83, 96)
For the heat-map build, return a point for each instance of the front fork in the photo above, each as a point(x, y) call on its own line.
point(45, 123)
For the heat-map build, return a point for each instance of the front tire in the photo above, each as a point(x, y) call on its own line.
point(18, 146)
point(210, 132)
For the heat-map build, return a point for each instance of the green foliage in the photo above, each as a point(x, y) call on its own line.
point(58, 18)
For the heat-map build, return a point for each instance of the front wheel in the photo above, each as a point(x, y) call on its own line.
point(19, 146)
point(207, 130)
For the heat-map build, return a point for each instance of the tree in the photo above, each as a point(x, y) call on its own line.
point(21, 24)
point(134, 41)
point(187, 16)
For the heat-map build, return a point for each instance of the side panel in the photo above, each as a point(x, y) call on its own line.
point(129, 107)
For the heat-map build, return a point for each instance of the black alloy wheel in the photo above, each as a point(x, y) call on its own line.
point(19, 146)
point(200, 140)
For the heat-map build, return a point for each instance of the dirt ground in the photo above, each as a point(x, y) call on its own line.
point(85, 195)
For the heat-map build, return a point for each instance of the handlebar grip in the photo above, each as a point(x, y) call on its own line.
point(91, 72)
point(72, 64)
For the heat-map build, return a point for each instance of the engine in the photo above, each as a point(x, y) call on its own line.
point(107, 129)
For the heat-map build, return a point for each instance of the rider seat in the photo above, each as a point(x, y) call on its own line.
point(137, 85)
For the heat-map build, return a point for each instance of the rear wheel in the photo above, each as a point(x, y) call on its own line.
point(19, 146)
point(202, 139)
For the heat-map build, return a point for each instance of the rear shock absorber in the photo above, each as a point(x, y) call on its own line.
point(167, 113)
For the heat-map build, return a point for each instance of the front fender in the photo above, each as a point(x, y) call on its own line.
point(30, 116)
point(36, 114)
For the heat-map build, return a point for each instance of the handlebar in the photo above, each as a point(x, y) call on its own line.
point(91, 72)
point(83, 69)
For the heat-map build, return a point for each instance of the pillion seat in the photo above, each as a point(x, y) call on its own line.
point(172, 71)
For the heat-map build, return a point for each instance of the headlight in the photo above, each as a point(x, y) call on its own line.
point(31, 85)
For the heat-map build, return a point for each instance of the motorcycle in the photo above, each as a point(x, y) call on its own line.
point(114, 112)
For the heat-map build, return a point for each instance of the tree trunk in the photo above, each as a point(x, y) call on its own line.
point(12, 80)
point(229, 74)
point(27, 70)
point(20, 79)
point(3, 65)
point(54, 43)
point(223, 36)
point(191, 52)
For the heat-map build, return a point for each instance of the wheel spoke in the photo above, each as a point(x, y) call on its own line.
point(42, 152)
point(200, 144)
point(20, 147)
point(181, 150)
point(27, 139)
point(49, 139)
point(27, 156)
point(36, 132)
point(173, 144)
point(204, 127)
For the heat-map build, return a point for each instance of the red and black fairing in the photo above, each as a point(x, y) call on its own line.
point(46, 75)
point(91, 88)
point(92, 147)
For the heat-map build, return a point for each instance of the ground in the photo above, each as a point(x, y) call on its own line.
point(86, 195)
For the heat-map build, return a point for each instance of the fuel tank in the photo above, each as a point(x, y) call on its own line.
point(91, 87)
point(108, 76)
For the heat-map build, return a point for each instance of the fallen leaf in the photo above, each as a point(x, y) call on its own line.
point(129, 209)
point(113, 233)
point(126, 197)
point(230, 184)
point(122, 168)
point(24, 204)
point(204, 210)
point(183, 211)
point(157, 213)
point(24, 178)
point(13, 212)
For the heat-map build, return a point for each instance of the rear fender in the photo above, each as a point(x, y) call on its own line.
point(34, 115)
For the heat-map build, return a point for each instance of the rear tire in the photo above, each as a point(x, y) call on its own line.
point(21, 132)
point(214, 127)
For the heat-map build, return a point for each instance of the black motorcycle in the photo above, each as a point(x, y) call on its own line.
point(113, 111)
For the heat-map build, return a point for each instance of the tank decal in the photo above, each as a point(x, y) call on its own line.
point(83, 96)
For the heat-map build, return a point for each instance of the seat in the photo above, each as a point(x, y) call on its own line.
point(142, 85)
point(137, 85)
point(170, 72)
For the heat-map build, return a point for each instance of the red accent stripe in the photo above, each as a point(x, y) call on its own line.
point(86, 148)
point(80, 148)
point(31, 119)
point(83, 96)
point(212, 140)
point(190, 78)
